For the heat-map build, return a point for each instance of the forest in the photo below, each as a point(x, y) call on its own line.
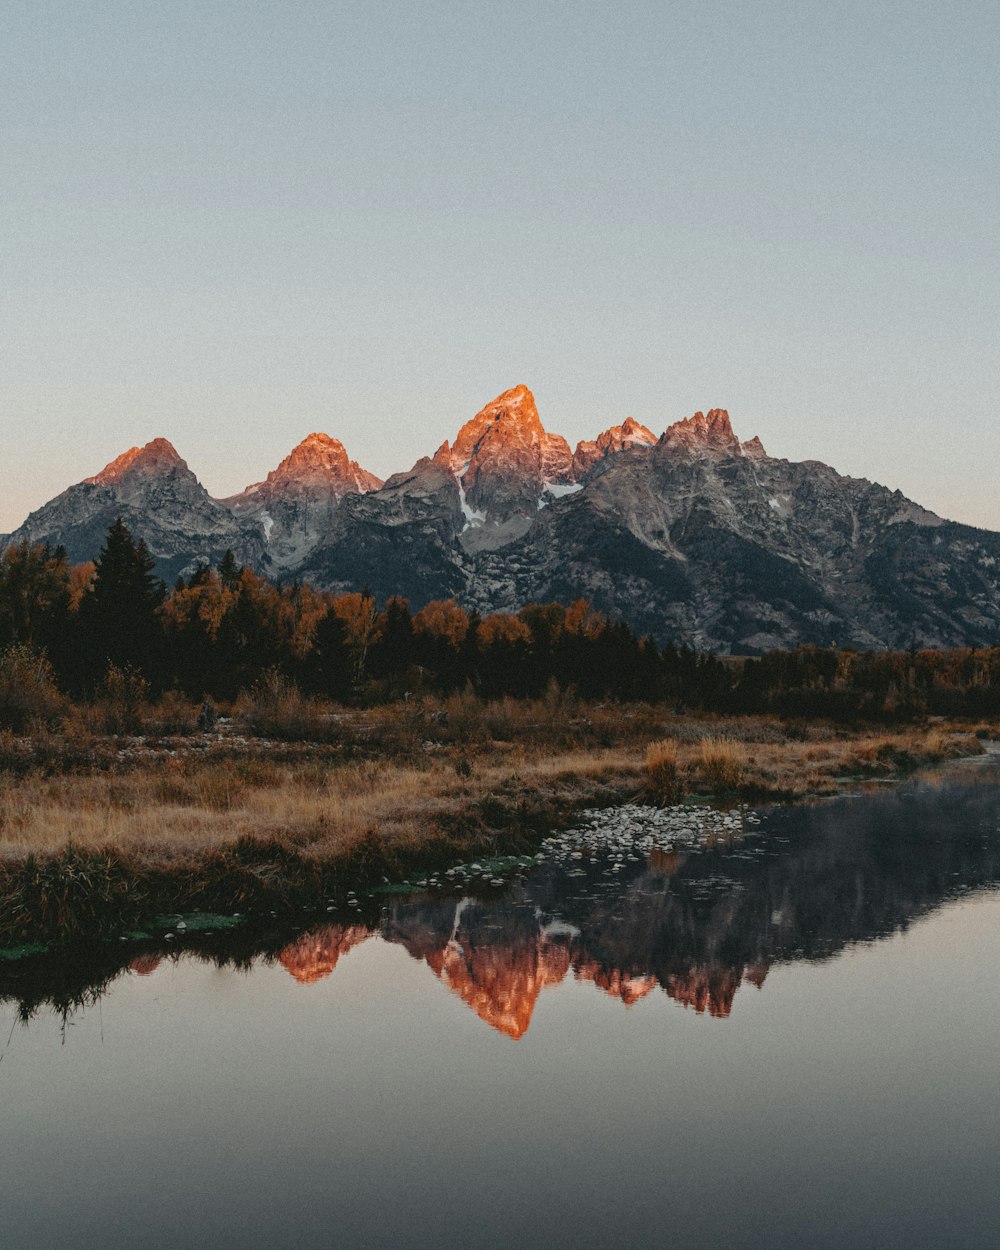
point(75, 628)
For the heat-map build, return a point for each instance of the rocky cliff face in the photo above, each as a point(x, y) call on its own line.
point(693, 536)
point(506, 467)
point(713, 541)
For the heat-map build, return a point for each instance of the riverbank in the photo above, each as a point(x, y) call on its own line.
point(97, 835)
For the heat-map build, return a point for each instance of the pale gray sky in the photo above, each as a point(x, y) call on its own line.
point(236, 223)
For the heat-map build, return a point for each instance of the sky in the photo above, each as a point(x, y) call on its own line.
point(232, 224)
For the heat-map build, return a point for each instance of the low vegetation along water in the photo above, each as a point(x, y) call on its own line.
point(694, 1027)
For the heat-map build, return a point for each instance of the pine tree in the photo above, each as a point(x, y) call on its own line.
point(229, 571)
point(327, 668)
point(120, 614)
point(393, 650)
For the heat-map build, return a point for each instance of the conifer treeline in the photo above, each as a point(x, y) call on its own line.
point(217, 632)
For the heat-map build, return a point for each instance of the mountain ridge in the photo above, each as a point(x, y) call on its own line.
point(690, 535)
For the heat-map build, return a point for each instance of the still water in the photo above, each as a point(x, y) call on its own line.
point(776, 1030)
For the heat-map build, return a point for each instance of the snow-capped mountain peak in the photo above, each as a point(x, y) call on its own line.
point(503, 460)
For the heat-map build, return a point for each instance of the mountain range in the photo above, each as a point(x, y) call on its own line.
point(690, 535)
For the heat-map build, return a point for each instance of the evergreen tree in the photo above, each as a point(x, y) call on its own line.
point(229, 571)
point(120, 614)
point(327, 669)
point(34, 594)
point(393, 651)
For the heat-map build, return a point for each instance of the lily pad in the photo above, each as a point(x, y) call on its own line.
point(196, 922)
point(12, 953)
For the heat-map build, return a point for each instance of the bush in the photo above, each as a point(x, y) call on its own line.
point(75, 894)
point(28, 692)
point(121, 699)
point(274, 707)
point(174, 714)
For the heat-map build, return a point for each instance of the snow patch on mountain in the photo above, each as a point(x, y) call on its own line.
point(559, 490)
point(473, 519)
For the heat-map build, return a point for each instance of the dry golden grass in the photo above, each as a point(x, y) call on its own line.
point(178, 807)
point(407, 774)
point(95, 832)
point(662, 773)
point(722, 764)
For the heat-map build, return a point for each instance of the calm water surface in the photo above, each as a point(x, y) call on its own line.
point(781, 1034)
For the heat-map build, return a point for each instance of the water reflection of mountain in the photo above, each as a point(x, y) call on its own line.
point(696, 924)
point(810, 882)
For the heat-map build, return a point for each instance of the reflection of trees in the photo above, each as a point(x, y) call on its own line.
point(697, 924)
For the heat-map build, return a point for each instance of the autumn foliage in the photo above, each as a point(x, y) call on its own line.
point(101, 631)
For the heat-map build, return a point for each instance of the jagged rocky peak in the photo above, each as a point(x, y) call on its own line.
point(507, 467)
point(161, 501)
point(511, 417)
point(295, 506)
point(628, 434)
point(320, 458)
point(618, 438)
point(754, 448)
point(158, 456)
point(508, 433)
point(709, 432)
point(318, 466)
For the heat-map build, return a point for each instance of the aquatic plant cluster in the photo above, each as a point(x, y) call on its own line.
point(629, 834)
point(614, 837)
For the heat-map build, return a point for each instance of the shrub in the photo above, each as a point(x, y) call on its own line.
point(120, 701)
point(28, 692)
point(77, 893)
point(174, 714)
point(938, 744)
point(274, 707)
